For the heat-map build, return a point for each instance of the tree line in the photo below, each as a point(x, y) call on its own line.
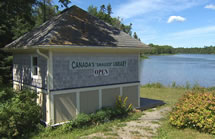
point(196, 50)
point(166, 49)
point(159, 49)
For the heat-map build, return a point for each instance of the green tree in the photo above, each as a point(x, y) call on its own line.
point(14, 13)
point(109, 9)
point(117, 22)
point(135, 35)
point(15, 20)
point(160, 49)
point(92, 10)
point(196, 50)
point(105, 14)
point(65, 3)
point(44, 11)
point(127, 28)
point(102, 9)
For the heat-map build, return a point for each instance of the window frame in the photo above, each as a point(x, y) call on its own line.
point(33, 67)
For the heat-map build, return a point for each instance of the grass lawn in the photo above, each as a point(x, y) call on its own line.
point(166, 131)
point(168, 95)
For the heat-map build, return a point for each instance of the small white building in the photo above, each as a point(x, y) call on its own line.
point(77, 64)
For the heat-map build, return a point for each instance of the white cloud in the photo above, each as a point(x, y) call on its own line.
point(210, 6)
point(176, 18)
point(139, 7)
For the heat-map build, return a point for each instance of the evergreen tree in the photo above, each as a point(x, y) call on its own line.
point(14, 13)
point(16, 19)
point(135, 35)
point(102, 9)
point(44, 11)
point(127, 28)
point(116, 22)
point(65, 3)
point(109, 9)
point(92, 10)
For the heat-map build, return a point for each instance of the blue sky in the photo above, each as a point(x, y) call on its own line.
point(179, 23)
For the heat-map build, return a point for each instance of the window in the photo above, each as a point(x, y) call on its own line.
point(34, 67)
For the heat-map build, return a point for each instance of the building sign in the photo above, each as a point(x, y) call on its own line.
point(99, 68)
point(76, 65)
point(101, 72)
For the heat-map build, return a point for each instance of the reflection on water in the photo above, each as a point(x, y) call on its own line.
point(181, 68)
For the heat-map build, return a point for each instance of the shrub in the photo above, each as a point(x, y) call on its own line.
point(121, 106)
point(102, 115)
point(174, 85)
point(153, 85)
point(142, 56)
point(105, 114)
point(6, 94)
point(187, 86)
point(195, 110)
point(81, 120)
point(19, 115)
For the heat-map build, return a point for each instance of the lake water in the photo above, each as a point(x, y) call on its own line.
point(180, 68)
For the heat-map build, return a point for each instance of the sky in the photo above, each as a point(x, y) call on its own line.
point(178, 23)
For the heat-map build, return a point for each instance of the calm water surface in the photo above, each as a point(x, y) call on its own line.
point(180, 68)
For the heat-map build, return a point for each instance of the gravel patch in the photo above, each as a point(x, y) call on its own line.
point(143, 128)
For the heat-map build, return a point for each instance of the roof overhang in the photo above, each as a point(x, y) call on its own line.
point(84, 49)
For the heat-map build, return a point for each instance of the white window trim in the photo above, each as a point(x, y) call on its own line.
point(32, 75)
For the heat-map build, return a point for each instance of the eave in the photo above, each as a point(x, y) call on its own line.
point(79, 49)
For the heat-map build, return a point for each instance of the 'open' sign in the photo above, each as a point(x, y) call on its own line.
point(101, 72)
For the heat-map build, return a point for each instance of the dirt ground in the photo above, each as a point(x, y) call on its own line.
point(143, 128)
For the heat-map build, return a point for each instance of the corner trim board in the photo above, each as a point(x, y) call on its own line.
point(77, 103)
point(51, 69)
point(120, 92)
point(138, 95)
point(100, 98)
point(52, 108)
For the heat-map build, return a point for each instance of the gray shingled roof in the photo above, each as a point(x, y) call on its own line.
point(76, 27)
